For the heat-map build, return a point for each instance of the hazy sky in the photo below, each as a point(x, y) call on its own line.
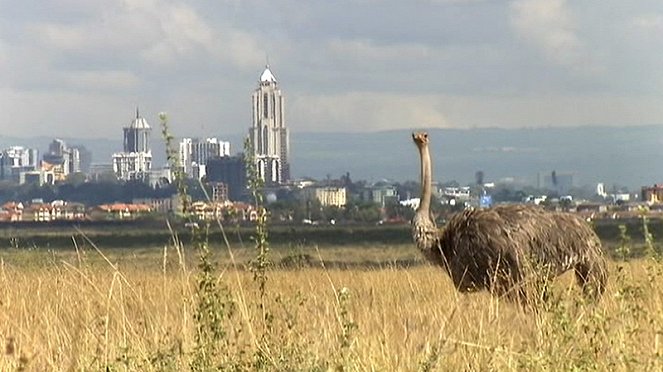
point(79, 67)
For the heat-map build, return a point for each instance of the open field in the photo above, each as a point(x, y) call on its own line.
point(141, 310)
point(156, 233)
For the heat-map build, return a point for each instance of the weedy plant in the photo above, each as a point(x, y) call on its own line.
point(277, 336)
point(261, 261)
point(213, 301)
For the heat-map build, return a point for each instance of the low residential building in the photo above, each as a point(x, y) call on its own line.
point(208, 211)
point(244, 211)
point(74, 211)
point(380, 194)
point(652, 194)
point(124, 211)
point(412, 203)
point(327, 196)
point(459, 193)
point(55, 211)
point(161, 205)
point(304, 183)
point(41, 212)
point(11, 212)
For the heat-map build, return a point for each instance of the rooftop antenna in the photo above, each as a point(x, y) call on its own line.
point(267, 59)
point(137, 113)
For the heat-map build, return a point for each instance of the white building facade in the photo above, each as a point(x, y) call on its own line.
point(268, 135)
point(135, 162)
point(194, 153)
point(61, 160)
point(15, 160)
point(327, 196)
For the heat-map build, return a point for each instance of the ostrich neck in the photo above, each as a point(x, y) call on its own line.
point(426, 177)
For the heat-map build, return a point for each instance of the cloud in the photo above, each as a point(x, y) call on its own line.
point(366, 111)
point(645, 31)
point(48, 113)
point(362, 112)
point(364, 65)
point(368, 53)
point(158, 32)
point(549, 25)
point(101, 80)
point(649, 22)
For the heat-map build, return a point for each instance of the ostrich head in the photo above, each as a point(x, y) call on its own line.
point(424, 231)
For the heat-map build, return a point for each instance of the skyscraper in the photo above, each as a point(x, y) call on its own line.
point(135, 161)
point(231, 171)
point(194, 153)
point(61, 159)
point(17, 159)
point(268, 134)
point(137, 135)
point(85, 157)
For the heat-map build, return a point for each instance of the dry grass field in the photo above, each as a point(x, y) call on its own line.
point(155, 311)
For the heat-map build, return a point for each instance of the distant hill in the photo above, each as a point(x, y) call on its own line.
point(629, 156)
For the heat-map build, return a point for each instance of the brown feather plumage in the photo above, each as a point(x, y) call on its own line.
point(502, 248)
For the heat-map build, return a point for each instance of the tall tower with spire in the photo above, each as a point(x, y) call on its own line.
point(137, 135)
point(135, 161)
point(268, 135)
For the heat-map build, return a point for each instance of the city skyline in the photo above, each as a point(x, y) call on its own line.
point(361, 66)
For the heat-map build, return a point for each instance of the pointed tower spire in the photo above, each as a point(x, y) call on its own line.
point(267, 76)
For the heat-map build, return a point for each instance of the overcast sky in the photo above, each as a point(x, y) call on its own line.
point(78, 68)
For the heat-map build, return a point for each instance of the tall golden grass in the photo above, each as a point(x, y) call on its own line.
point(83, 312)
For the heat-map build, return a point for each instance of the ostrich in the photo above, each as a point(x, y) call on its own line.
point(502, 248)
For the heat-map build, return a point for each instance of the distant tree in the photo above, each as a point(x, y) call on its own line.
point(408, 189)
point(452, 183)
point(196, 189)
point(395, 210)
point(314, 210)
point(287, 210)
point(362, 212)
point(77, 178)
point(107, 177)
point(565, 203)
point(506, 193)
point(332, 213)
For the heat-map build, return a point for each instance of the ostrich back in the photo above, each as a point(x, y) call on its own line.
point(478, 246)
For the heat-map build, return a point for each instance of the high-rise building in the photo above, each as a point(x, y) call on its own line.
point(17, 159)
point(195, 152)
point(559, 182)
point(231, 171)
point(61, 160)
point(137, 135)
point(85, 156)
point(268, 135)
point(135, 162)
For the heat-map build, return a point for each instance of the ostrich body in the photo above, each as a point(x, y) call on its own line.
point(501, 248)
